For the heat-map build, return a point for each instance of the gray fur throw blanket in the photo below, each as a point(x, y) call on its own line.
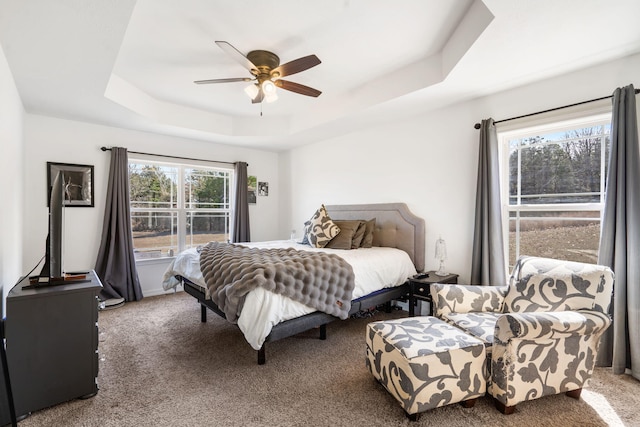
point(319, 280)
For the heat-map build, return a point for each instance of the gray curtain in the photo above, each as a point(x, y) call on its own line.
point(620, 237)
point(487, 262)
point(115, 264)
point(241, 209)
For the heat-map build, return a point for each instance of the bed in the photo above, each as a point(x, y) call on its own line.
point(380, 276)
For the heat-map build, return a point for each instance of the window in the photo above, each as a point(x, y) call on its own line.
point(175, 206)
point(554, 181)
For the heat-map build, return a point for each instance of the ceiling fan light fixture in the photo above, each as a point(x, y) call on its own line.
point(271, 97)
point(268, 87)
point(252, 90)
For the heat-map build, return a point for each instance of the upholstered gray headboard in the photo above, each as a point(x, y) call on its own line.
point(396, 226)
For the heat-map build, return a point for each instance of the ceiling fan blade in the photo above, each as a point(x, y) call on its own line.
point(297, 88)
point(234, 79)
point(296, 66)
point(237, 55)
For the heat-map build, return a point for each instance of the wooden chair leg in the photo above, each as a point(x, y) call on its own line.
point(574, 393)
point(469, 403)
point(507, 410)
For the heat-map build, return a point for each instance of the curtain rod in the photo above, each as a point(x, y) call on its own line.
point(478, 125)
point(173, 157)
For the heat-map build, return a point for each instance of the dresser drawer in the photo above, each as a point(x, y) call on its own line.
point(421, 290)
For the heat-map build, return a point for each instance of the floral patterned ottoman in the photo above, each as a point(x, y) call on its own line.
point(426, 363)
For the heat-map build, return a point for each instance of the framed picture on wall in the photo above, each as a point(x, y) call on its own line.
point(78, 183)
point(252, 184)
point(263, 188)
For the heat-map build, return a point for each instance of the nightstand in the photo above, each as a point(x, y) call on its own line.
point(419, 289)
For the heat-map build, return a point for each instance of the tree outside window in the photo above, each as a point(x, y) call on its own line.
point(165, 220)
point(555, 183)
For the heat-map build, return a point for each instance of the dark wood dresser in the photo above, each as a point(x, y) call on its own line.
point(52, 343)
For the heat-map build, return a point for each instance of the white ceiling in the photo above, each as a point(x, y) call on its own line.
point(132, 63)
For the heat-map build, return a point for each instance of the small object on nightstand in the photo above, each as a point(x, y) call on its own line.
point(421, 276)
point(441, 255)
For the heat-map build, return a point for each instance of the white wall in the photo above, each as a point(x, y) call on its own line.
point(426, 163)
point(65, 141)
point(11, 184)
point(430, 161)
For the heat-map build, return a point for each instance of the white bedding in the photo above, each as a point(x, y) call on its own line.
point(374, 268)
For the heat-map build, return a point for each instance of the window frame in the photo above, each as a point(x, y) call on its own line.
point(550, 123)
point(180, 209)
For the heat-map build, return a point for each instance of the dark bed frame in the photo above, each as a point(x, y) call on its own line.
point(396, 227)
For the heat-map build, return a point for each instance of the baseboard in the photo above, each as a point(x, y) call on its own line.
point(159, 291)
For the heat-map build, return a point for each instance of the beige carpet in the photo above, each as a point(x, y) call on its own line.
point(161, 367)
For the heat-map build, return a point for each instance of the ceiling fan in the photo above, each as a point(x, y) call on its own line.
point(266, 70)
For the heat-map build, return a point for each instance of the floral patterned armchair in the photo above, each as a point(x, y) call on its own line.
point(541, 331)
